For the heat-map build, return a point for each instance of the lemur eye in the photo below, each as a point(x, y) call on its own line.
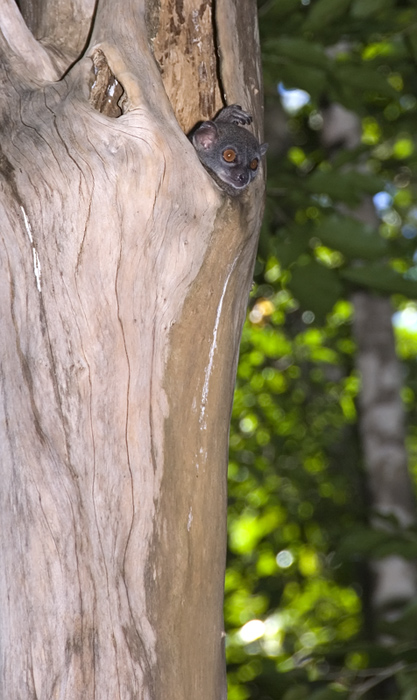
point(254, 164)
point(229, 155)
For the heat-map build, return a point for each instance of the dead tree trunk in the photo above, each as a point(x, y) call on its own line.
point(123, 286)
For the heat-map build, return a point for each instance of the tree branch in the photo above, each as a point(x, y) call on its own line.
point(131, 61)
point(19, 51)
point(62, 27)
point(189, 26)
point(238, 48)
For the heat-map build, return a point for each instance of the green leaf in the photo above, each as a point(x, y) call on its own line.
point(298, 50)
point(408, 684)
point(291, 244)
point(279, 10)
point(334, 185)
point(410, 694)
point(324, 12)
point(310, 79)
point(362, 541)
point(363, 78)
point(381, 278)
point(345, 187)
point(329, 693)
point(298, 692)
point(365, 8)
point(317, 288)
point(353, 238)
point(378, 544)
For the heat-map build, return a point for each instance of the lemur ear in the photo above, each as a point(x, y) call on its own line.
point(263, 148)
point(205, 136)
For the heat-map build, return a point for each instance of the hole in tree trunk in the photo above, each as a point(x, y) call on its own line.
point(106, 93)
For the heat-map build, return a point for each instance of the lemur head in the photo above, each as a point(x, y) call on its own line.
point(228, 150)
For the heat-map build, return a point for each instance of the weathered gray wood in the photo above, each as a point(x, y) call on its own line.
point(123, 286)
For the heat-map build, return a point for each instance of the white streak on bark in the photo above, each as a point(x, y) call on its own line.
point(190, 519)
point(203, 454)
point(36, 261)
point(213, 346)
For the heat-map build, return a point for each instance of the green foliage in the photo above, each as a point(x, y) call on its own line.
point(382, 278)
point(297, 612)
point(294, 402)
point(316, 287)
point(355, 240)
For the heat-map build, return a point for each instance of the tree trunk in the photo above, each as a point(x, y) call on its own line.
point(383, 438)
point(381, 409)
point(124, 279)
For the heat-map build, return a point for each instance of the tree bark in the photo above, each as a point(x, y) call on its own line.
point(123, 286)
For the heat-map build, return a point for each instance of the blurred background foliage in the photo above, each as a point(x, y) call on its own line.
point(299, 609)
